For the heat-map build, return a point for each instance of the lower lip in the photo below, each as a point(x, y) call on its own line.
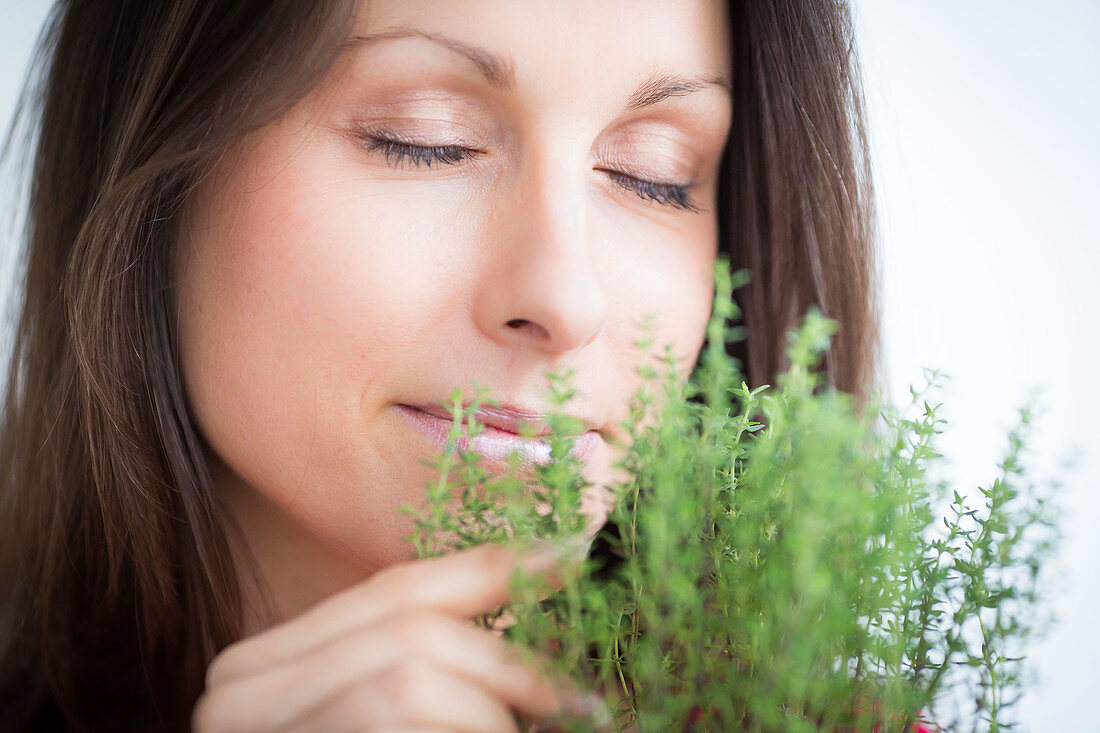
point(496, 445)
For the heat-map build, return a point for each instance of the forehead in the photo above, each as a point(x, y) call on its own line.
point(585, 46)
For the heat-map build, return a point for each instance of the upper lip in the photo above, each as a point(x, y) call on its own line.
point(507, 418)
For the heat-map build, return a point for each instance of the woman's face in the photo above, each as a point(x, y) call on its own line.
point(326, 275)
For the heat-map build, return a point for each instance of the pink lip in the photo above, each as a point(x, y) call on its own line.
point(495, 444)
point(504, 418)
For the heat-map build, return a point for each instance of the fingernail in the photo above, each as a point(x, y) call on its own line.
point(598, 712)
point(587, 706)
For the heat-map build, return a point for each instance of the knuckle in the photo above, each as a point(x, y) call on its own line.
point(407, 684)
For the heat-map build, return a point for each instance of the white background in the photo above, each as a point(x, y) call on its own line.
point(984, 121)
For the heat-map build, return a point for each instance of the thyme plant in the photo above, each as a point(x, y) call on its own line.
point(776, 559)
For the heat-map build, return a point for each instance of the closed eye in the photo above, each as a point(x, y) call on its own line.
point(397, 153)
point(669, 194)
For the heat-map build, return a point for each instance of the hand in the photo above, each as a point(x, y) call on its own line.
point(394, 653)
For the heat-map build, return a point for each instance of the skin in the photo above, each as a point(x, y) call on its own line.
point(320, 284)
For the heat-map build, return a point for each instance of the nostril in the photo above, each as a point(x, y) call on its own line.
point(523, 324)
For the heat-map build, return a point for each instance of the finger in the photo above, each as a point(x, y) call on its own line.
point(444, 641)
point(466, 583)
point(409, 695)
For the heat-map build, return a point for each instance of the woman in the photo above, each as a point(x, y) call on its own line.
point(267, 239)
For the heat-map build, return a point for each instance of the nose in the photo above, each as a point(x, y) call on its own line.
point(541, 287)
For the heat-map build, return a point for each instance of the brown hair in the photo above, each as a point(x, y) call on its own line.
point(796, 200)
point(115, 572)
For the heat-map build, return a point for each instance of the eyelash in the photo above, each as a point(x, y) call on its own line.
point(667, 194)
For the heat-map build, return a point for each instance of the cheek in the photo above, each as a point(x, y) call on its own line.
point(669, 280)
point(303, 298)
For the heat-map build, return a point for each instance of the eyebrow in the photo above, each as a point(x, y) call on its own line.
point(499, 71)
